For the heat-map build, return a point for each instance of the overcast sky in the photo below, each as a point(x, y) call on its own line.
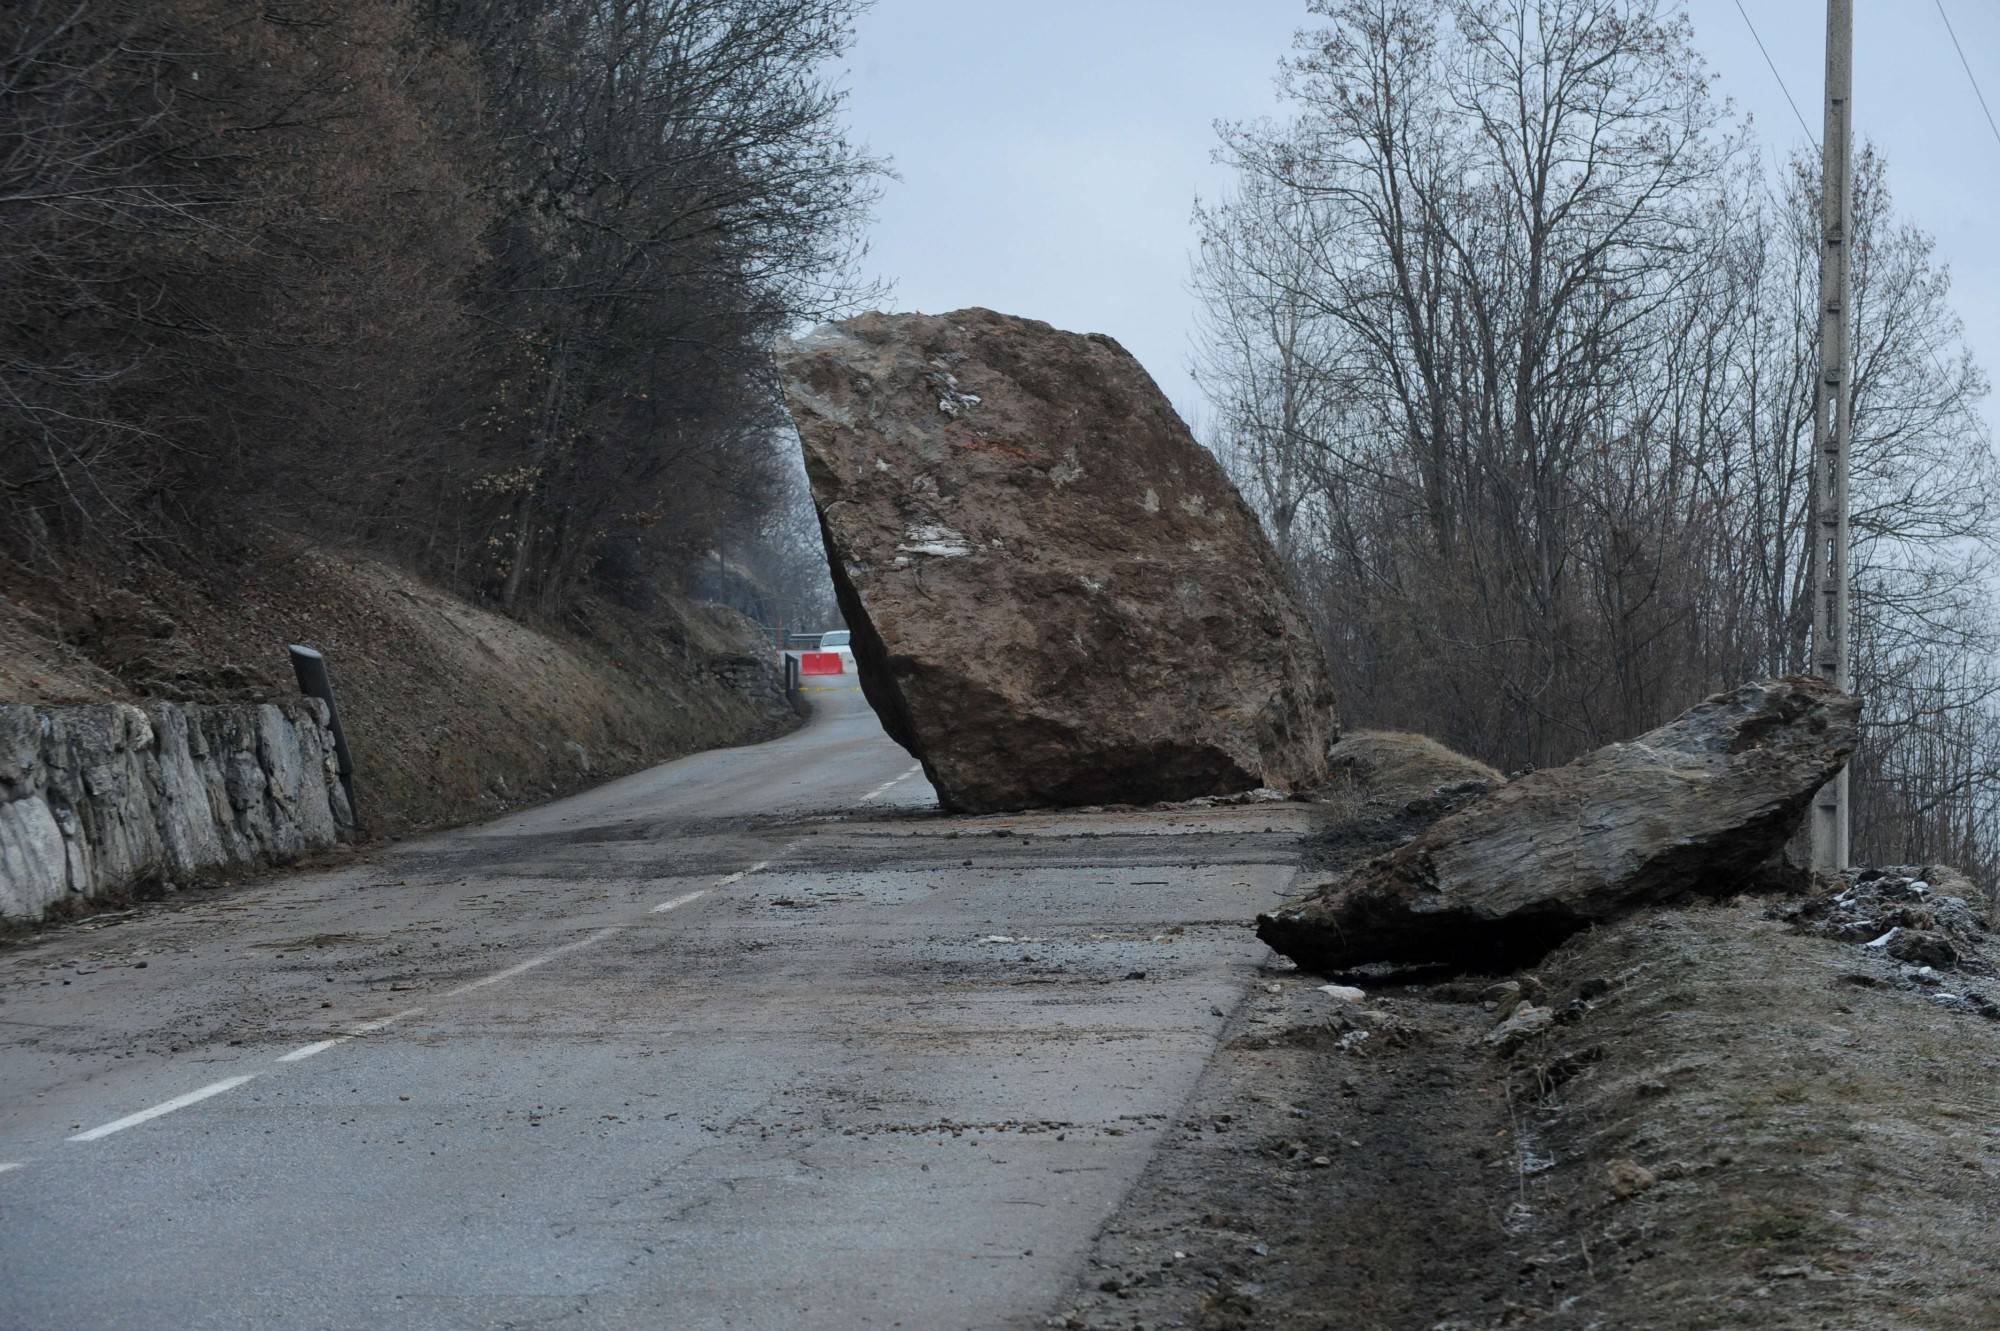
point(1050, 151)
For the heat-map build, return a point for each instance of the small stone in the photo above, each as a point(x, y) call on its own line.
point(1321, 1161)
point(1344, 993)
point(1573, 1011)
point(1922, 947)
point(1527, 1021)
point(1507, 991)
point(1628, 1178)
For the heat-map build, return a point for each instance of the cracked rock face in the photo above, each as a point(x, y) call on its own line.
point(1699, 807)
point(95, 799)
point(1056, 595)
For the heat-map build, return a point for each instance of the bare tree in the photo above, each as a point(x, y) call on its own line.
point(1514, 348)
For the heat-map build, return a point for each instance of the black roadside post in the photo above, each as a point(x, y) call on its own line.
point(316, 682)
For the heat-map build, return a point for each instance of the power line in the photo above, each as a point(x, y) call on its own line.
point(1969, 77)
point(1943, 374)
point(1772, 66)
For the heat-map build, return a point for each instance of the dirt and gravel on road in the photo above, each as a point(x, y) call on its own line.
point(1710, 1117)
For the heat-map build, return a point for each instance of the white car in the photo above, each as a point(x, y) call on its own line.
point(841, 641)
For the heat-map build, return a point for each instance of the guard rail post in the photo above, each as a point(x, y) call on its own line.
point(316, 681)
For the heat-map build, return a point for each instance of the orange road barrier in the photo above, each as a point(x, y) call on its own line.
point(820, 663)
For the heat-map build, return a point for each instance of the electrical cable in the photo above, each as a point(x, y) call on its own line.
point(1773, 67)
point(1967, 64)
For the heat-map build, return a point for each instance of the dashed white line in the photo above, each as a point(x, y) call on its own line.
point(11, 1164)
point(362, 1028)
point(369, 1027)
point(164, 1107)
point(497, 976)
point(883, 789)
point(741, 874)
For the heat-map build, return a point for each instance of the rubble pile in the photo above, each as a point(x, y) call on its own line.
point(1922, 924)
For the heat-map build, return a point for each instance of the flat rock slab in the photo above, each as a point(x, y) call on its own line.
point(1056, 595)
point(1699, 807)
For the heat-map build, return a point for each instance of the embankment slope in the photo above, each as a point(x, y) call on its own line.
point(453, 711)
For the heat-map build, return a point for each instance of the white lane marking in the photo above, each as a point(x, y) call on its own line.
point(11, 1164)
point(687, 897)
point(741, 874)
point(164, 1107)
point(362, 1028)
point(884, 787)
point(497, 976)
point(370, 1027)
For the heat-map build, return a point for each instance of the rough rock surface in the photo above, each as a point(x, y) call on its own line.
point(1056, 595)
point(1698, 807)
point(95, 799)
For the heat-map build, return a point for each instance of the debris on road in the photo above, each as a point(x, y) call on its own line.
point(1056, 595)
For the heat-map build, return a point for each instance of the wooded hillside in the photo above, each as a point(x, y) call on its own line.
point(483, 286)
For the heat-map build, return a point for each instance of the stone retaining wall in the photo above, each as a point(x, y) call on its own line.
point(756, 676)
point(99, 799)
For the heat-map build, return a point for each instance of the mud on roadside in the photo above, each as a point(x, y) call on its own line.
point(1735, 1122)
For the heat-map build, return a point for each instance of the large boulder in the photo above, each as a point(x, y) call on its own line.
point(1700, 807)
point(1056, 595)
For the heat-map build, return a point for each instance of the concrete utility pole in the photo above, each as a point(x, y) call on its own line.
point(1830, 659)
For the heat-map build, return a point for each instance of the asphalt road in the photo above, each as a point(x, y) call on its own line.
point(754, 1039)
